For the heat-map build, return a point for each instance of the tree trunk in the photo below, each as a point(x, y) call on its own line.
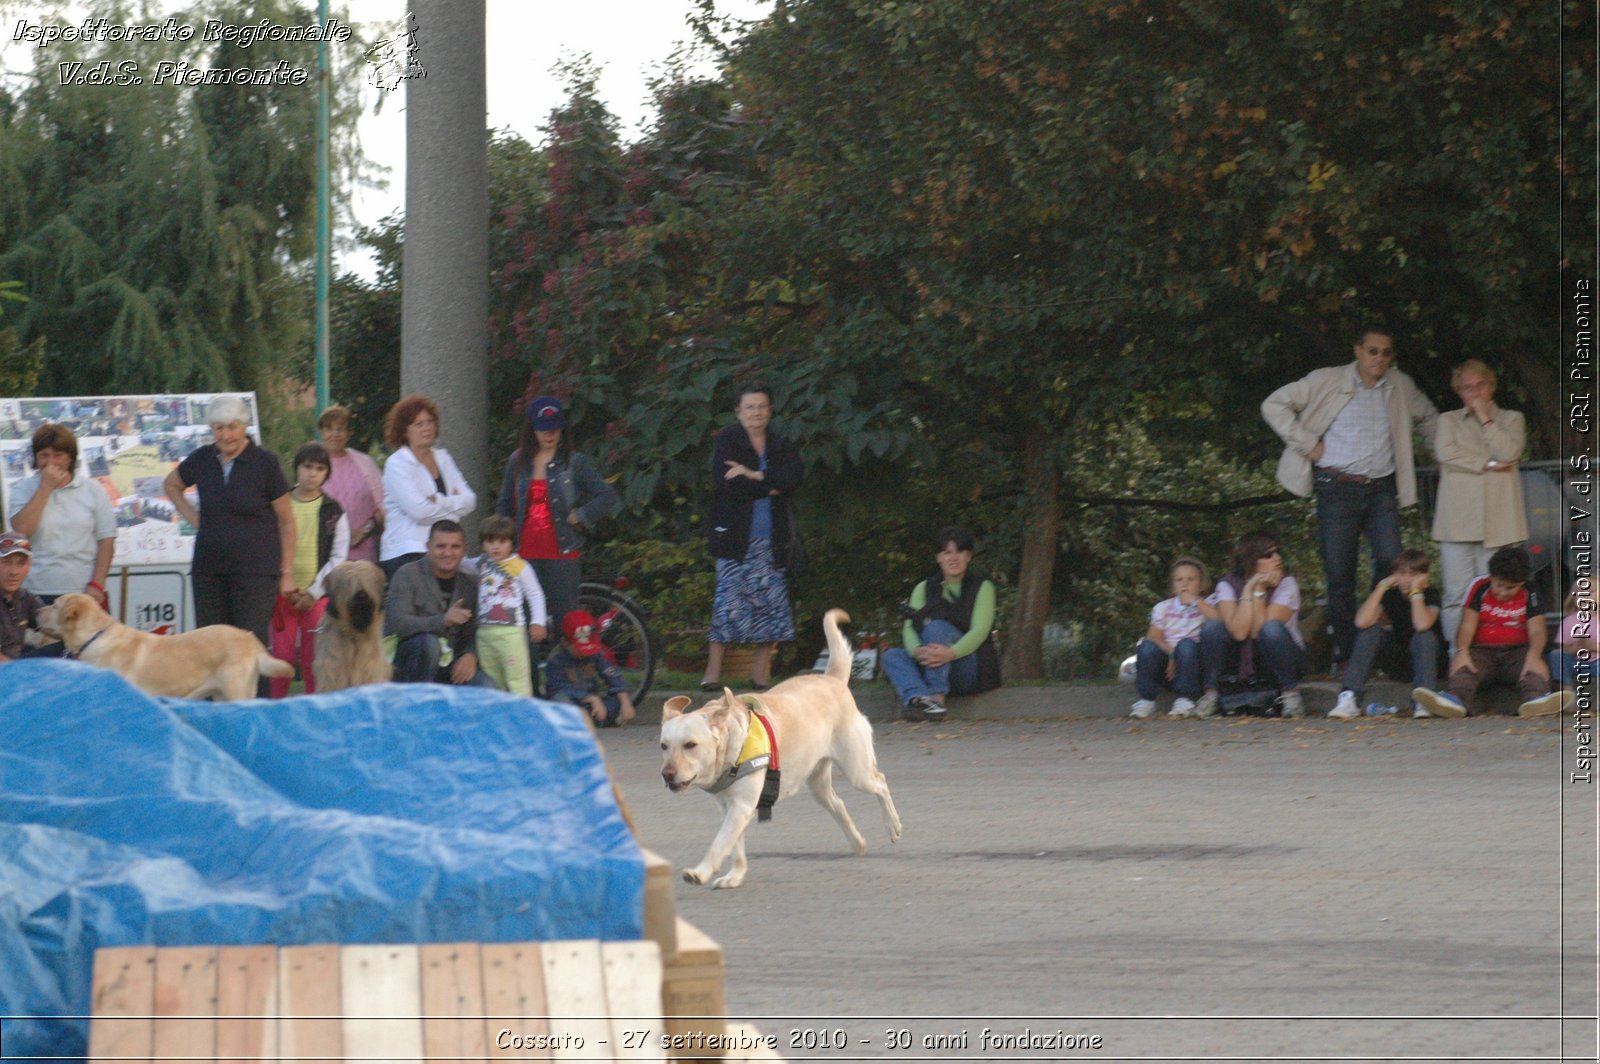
point(1024, 636)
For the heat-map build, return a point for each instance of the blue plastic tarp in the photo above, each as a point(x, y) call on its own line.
point(393, 813)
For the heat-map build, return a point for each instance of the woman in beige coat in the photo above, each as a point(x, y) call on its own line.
point(1480, 485)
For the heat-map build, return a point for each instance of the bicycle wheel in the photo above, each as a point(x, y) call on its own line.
point(624, 634)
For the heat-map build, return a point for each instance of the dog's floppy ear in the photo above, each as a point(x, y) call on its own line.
point(674, 707)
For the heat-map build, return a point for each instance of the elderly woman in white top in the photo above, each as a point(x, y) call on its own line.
point(1480, 486)
point(68, 516)
point(421, 483)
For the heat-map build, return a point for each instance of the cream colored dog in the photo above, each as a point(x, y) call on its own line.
point(216, 660)
point(816, 725)
point(350, 640)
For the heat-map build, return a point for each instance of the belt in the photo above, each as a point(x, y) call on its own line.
point(1351, 478)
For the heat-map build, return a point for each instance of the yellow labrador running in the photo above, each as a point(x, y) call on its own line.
point(216, 660)
point(816, 725)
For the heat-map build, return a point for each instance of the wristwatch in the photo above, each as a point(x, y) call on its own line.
point(1492, 464)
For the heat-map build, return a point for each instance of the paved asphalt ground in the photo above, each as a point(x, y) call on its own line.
point(1231, 889)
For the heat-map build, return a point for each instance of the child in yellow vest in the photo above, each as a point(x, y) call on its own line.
point(321, 541)
point(511, 608)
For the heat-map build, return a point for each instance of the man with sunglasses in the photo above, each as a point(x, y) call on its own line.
point(1348, 435)
point(19, 609)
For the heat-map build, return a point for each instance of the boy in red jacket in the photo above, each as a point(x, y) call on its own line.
point(1502, 638)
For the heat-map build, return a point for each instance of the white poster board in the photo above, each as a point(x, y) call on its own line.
point(128, 444)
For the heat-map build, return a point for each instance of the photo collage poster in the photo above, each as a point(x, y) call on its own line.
point(128, 444)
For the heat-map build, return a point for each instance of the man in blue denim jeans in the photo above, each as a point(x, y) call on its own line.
point(1348, 434)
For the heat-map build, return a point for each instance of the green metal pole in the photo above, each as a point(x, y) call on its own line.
point(324, 228)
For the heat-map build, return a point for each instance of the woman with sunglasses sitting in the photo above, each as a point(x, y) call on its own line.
point(1259, 627)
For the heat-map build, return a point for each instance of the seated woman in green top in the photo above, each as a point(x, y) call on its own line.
point(949, 633)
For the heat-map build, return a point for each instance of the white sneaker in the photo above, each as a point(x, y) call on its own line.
point(1347, 708)
point(1207, 706)
point(1293, 704)
point(1439, 703)
point(1143, 708)
point(1183, 707)
point(1417, 712)
point(1550, 705)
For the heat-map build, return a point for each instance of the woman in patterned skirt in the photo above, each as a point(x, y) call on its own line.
point(754, 472)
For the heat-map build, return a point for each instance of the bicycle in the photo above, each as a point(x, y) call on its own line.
point(628, 641)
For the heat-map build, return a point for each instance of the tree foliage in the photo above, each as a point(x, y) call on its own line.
point(998, 257)
point(163, 231)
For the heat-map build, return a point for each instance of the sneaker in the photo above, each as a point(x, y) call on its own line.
point(932, 709)
point(913, 711)
point(1183, 707)
point(1293, 704)
point(1439, 703)
point(1142, 709)
point(1550, 705)
point(1417, 712)
point(1207, 706)
point(1347, 708)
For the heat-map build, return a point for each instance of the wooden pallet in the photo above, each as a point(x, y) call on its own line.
point(461, 1002)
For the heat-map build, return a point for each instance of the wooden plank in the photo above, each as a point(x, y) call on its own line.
point(695, 947)
point(382, 993)
point(452, 1003)
point(122, 1000)
point(633, 996)
point(309, 1003)
point(185, 1003)
point(693, 988)
point(514, 1001)
point(575, 988)
point(660, 903)
point(247, 1004)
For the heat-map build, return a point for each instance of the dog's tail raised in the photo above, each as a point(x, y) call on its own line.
point(267, 665)
point(839, 658)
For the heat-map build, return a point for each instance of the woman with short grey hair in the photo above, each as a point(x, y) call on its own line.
point(244, 526)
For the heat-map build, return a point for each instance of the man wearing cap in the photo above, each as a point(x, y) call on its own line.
point(1348, 430)
point(431, 607)
point(19, 609)
point(578, 672)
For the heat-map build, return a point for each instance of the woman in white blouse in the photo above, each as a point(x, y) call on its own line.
point(421, 483)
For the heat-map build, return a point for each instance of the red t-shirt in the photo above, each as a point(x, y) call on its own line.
point(538, 532)
point(1501, 623)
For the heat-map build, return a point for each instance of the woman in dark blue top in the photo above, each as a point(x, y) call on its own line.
point(244, 538)
point(754, 474)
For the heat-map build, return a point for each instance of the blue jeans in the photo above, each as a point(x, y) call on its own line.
point(911, 680)
point(1276, 656)
point(1151, 672)
point(416, 660)
point(1564, 667)
point(1345, 512)
point(1419, 657)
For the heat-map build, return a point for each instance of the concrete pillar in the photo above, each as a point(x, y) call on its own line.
point(444, 300)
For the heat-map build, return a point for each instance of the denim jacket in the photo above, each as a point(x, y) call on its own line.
point(572, 477)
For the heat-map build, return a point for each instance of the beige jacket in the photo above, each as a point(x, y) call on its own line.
point(1476, 506)
point(1301, 412)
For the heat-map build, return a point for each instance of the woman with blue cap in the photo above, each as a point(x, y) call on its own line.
point(555, 495)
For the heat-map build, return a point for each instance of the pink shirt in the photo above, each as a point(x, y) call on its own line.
point(356, 485)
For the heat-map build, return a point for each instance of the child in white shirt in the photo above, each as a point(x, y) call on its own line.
point(1170, 652)
point(511, 608)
